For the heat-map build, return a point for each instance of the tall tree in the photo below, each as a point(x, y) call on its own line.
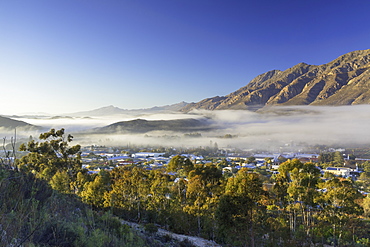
point(302, 191)
point(338, 159)
point(203, 192)
point(94, 191)
point(339, 202)
point(130, 191)
point(239, 209)
point(159, 196)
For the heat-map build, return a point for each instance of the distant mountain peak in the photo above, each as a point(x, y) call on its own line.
point(343, 81)
point(113, 110)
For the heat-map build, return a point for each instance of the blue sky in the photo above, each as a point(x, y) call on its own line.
point(65, 56)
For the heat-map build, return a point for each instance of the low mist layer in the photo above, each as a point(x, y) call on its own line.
point(270, 128)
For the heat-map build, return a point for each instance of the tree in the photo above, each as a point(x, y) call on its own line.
point(251, 160)
point(93, 192)
point(81, 180)
point(339, 203)
point(269, 161)
point(130, 191)
point(326, 157)
point(240, 208)
point(159, 196)
point(283, 179)
point(366, 167)
point(61, 182)
point(338, 159)
point(366, 206)
point(295, 190)
point(52, 159)
point(180, 164)
point(302, 191)
point(203, 192)
point(52, 153)
point(223, 163)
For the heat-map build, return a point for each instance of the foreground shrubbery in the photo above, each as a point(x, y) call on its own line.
point(32, 214)
point(300, 209)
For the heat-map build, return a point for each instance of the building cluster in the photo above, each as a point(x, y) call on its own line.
point(108, 158)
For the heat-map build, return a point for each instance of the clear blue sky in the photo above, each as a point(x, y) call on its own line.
point(64, 56)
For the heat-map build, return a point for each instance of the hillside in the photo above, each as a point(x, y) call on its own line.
point(143, 126)
point(9, 123)
point(33, 214)
point(343, 81)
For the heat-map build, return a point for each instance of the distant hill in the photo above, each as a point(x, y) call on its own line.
point(143, 126)
point(344, 81)
point(112, 110)
point(9, 123)
point(173, 107)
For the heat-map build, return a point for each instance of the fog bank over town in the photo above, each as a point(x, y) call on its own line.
point(270, 128)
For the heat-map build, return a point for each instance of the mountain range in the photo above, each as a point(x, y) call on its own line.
point(343, 81)
point(112, 110)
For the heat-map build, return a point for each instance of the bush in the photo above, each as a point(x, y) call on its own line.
point(151, 228)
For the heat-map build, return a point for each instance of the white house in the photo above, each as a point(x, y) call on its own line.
point(339, 171)
point(147, 155)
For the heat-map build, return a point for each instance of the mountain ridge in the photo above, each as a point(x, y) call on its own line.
point(144, 126)
point(113, 110)
point(9, 123)
point(343, 81)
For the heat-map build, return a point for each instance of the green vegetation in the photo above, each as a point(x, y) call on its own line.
point(33, 214)
point(40, 203)
point(60, 204)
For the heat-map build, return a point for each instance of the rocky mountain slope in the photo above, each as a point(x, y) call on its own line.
point(344, 81)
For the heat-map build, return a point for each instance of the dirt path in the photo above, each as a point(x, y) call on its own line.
point(199, 242)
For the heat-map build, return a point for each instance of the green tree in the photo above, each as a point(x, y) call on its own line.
point(130, 191)
point(338, 159)
point(282, 181)
point(159, 196)
point(180, 164)
point(302, 191)
point(240, 209)
point(50, 155)
point(61, 182)
point(202, 193)
point(340, 202)
point(251, 160)
point(366, 206)
point(94, 192)
point(81, 179)
point(326, 157)
point(366, 167)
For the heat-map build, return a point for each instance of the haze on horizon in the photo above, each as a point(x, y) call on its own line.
point(70, 56)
